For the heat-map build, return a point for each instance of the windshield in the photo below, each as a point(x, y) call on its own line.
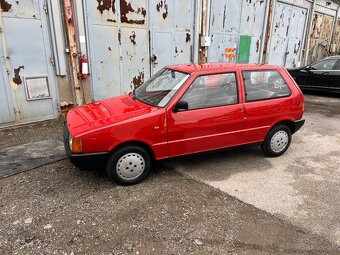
point(161, 87)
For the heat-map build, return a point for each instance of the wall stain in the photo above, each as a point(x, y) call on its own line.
point(17, 79)
point(5, 6)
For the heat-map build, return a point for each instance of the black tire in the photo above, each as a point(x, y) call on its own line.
point(135, 165)
point(277, 141)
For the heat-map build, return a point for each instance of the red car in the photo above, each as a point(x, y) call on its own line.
point(185, 109)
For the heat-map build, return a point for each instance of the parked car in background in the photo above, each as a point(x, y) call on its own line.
point(185, 109)
point(323, 75)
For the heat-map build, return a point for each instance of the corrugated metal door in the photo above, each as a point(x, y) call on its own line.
point(287, 35)
point(32, 80)
point(171, 26)
point(225, 19)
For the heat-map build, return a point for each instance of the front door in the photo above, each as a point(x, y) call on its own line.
point(213, 119)
point(320, 75)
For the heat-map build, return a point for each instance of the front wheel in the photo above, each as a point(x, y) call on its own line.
point(129, 165)
point(277, 141)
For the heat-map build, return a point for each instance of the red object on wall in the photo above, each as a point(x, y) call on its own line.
point(84, 68)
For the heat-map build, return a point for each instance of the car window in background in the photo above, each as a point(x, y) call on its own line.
point(327, 64)
point(337, 66)
point(211, 91)
point(161, 87)
point(262, 85)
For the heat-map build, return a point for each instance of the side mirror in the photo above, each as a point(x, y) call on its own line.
point(181, 105)
point(307, 68)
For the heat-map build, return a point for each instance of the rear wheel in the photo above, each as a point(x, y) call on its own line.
point(277, 141)
point(129, 165)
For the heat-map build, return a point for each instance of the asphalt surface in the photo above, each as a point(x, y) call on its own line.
point(302, 186)
point(56, 209)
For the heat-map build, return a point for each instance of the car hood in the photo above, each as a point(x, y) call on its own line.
point(106, 112)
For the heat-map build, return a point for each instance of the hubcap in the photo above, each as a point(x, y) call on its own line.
point(130, 166)
point(279, 141)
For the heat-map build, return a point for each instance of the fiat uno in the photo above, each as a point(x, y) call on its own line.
point(185, 109)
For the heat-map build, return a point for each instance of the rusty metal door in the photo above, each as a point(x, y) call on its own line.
point(320, 36)
point(28, 50)
point(171, 26)
point(172, 29)
point(225, 19)
point(118, 42)
point(287, 35)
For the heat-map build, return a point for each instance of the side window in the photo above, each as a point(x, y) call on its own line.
point(337, 66)
point(212, 90)
point(262, 85)
point(327, 64)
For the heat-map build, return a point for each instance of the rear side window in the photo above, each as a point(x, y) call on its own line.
point(263, 85)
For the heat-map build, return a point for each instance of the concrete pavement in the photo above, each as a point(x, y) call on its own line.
point(302, 186)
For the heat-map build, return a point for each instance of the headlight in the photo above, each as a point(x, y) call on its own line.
point(70, 140)
point(76, 144)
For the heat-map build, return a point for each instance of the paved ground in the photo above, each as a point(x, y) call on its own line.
point(56, 209)
point(301, 187)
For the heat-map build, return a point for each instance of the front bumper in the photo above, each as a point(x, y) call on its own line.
point(85, 161)
point(298, 124)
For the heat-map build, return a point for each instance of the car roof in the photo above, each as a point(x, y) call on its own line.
point(330, 57)
point(192, 68)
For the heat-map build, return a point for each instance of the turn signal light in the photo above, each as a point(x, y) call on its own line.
point(77, 145)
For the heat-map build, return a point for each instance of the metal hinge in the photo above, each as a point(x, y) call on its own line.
point(52, 60)
point(45, 8)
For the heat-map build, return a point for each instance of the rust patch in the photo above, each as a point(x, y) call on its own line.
point(104, 5)
point(163, 6)
point(133, 38)
point(248, 18)
point(187, 37)
point(17, 79)
point(109, 48)
point(126, 8)
point(176, 50)
point(17, 2)
point(5, 6)
point(111, 20)
point(138, 80)
point(257, 45)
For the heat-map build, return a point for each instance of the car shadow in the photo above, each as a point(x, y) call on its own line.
point(219, 165)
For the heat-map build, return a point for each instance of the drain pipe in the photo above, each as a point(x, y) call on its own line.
point(73, 51)
point(309, 34)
